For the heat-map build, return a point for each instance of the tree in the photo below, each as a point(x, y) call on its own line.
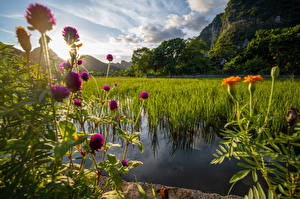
point(141, 61)
point(195, 60)
point(169, 54)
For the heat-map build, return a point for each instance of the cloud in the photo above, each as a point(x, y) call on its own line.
point(151, 34)
point(193, 21)
point(155, 34)
point(205, 6)
point(7, 31)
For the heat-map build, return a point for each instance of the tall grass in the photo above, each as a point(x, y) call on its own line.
point(183, 103)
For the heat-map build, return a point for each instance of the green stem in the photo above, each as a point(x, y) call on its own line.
point(125, 151)
point(270, 101)
point(137, 118)
point(46, 57)
point(107, 72)
point(250, 101)
point(95, 162)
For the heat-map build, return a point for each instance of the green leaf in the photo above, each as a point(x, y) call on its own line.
point(141, 190)
point(15, 144)
point(139, 144)
point(246, 166)
point(134, 136)
point(239, 175)
point(110, 145)
point(153, 193)
point(261, 191)
point(250, 194)
point(61, 148)
point(112, 158)
point(270, 194)
point(122, 134)
point(256, 194)
point(67, 129)
point(254, 175)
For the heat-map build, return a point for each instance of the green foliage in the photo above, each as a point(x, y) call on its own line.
point(272, 154)
point(174, 56)
point(269, 47)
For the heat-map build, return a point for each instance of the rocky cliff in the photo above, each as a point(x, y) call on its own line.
point(211, 32)
point(242, 18)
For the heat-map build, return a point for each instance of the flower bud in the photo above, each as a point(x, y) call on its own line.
point(251, 87)
point(292, 116)
point(275, 72)
point(24, 39)
point(124, 163)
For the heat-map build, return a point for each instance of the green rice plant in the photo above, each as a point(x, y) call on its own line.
point(183, 103)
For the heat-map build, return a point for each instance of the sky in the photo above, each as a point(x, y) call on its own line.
point(117, 27)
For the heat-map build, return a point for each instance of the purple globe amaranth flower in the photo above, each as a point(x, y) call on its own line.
point(60, 92)
point(85, 76)
point(113, 105)
point(80, 61)
point(144, 95)
point(40, 17)
point(116, 84)
point(77, 103)
point(109, 57)
point(106, 88)
point(121, 116)
point(96, 142)
point(124, 163)
point(70, 35)
point(64, 65)
point(73, 81)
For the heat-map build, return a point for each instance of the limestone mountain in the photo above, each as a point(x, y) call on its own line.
point(242, 18)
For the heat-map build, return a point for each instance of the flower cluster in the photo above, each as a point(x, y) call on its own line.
point(40, 17)
point(109, 57)
point(77, 103)
point(70, 35)
point(96, 142)
point(64, 65)
point(113, 105)
point(144, 95)
point(106, 88)
point(80, 61)
point(59, 92)
point(124, 163)
point(85, 76)
point(252, 79)
point(73, 81)
point(231, 81)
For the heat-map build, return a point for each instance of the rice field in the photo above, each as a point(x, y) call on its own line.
point(183, 103)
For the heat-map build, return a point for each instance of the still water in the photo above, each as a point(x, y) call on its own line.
point(181, 159)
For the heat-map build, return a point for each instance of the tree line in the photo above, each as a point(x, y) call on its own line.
point(179, 56)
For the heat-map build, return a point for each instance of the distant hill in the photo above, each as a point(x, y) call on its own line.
point(89, 62)
point(37, 58)
point(93, 64)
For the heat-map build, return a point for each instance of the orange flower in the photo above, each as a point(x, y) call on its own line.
point(231, 81)
point(253, 79)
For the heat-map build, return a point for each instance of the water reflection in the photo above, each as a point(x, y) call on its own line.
point(179, 158)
